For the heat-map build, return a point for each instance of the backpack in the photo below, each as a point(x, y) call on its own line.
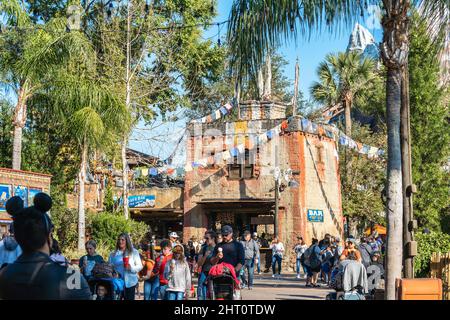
point(306, 255)
point(103, 270)
point(314, 260)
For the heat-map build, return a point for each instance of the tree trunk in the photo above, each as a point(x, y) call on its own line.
point(128, 106)
point(406, 174)
point(394, 51)
point(81, 210)
point(394, 210)
point(20, 118)
point(348, 116)
point(260, 83)
point(126, 210)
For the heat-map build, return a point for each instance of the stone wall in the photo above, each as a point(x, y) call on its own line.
point(311, 155)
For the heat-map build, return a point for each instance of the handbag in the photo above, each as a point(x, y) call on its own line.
point(103, 270)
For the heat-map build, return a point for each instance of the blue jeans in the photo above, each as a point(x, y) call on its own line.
point(202, 287)
point(148, 289)
point(158, 290)
point(155, 289)
point(173, 295)
point(258, 266)
point(305, 271)
point(249, 266)
point(276, 260)
point(163, 292)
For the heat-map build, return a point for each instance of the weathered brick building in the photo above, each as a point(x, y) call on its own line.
point(243, 194)
point(19, 183)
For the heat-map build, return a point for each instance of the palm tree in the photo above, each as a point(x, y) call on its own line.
point(257, 25)
point(88, 106)
point(27, 53)
point(342, 77)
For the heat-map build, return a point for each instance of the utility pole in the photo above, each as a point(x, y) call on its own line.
point(277, 175)
point(409, 245)
point(275, 221)
point(295, 98)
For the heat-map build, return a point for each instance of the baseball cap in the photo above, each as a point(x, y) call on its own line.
point(255, 234)
point(173, 235)
point(351, 240)
point(226, 230)
point(338, 239)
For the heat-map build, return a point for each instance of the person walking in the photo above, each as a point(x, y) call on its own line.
point(178, 275)
point(299, 250)
point(258, 241)
point(366, 252)
point(9, 248)
point(127, 263)
point(350, 252)
point(173, 238)
point(90, 259)
point(159, 284)
point(251, 250)
point(231, 251)
point(56, 254)
point(277, 255)
point(146, 274)
point(34, 276)
point(311, 259)
point(204, 262)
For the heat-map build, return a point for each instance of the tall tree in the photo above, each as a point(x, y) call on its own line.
point(429, 128)
point(343, 77)
point(154, 52)
point(21, 47)
point(257, 25)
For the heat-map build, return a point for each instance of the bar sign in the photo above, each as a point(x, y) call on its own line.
point(315, 215)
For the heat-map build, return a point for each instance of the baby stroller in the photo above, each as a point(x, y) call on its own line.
point(114, 292)
point(349, 280)
point(103, 275)
point(223, 283)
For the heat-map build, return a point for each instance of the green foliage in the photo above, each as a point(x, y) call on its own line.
point(108, 203)
point(66, 227)
point(427, 244)
point(106, 227)
point(5, 133)
point(343, 76)
point(362, 188)
point(429, 130)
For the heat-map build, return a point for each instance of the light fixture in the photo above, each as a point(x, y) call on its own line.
point(293, 184)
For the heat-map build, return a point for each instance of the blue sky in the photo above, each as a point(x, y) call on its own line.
point(310, 53)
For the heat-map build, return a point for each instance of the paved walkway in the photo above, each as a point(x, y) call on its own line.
point(285, 288)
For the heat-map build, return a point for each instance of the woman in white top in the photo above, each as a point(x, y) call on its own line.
point(300, 249)
point(277, 255)
point(127, 263)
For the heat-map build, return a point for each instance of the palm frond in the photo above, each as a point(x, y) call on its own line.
point(256, 26)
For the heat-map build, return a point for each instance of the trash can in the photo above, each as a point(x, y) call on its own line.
point(419, 289)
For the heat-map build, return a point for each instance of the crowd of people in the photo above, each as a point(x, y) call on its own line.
point(30, 255)
point(322, 257)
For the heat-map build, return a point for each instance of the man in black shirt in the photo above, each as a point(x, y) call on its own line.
point(232, 251)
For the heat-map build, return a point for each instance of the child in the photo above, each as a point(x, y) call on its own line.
point(102, 293)
point(119, 284)
point(178, 273)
